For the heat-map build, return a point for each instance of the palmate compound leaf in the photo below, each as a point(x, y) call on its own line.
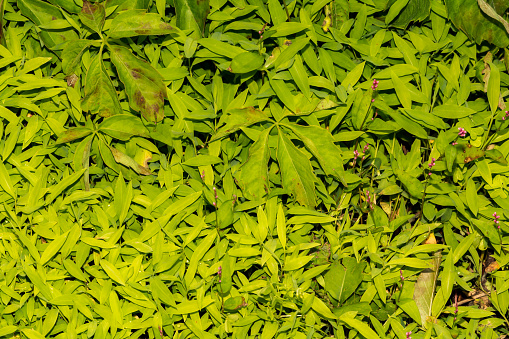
point(296, 172)
point(100, 95)
point(253, 175)
point(143, 84)
point(137, 22)
point(93, 15)
point(321, 143)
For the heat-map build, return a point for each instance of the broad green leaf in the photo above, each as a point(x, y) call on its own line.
point(291, 51)
point(425, 288)
point(281, 226)
point(360, 326)
point(112, 272)
point(238, 118)
point(191, 14)
point(353, 76)
point(143, 84)
point(412, 185)
point(343, 278)
point(100, 95)
point(123, 127)
point(415, 10)
point(296, 172)
point(93, 15)
point(494, 88)
point(472, 198)
point(41, 13)
point(72, 134)
point(300, 75)
point(53, 248)
point(5, 181)
point(127, 161)
point(321, 143)
point(468, 17)
point(395, 9)
point(402, 91)
point(246, 62)
point(138, 22)
point(221, 48)
point(56, 190)
point(253, 176)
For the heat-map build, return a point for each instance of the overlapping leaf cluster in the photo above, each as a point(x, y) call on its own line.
point(253, 168)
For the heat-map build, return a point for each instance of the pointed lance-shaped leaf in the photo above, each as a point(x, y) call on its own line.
point(143, 84)
point(93, 15)
point(100, 95)
point(192, 14)
point(253, 176)
point(296, 172)
point(40, 13)
point(123, 127)
point(321, 143)
point(71, 55)
point(136, 22)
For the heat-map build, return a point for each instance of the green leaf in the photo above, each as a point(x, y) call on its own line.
point(93, 15)
point(123, 127)
point(360, 326)
point(472, 198)
point(138, 22)
point(6, 182)
point(112, 272)
point(296, 172)
point(238, 118)
point(221, 48)
point(353, 77)
point(56, 190)
point(253, 175)
point(127, 161)
point(425, 288)
point(494, 88)
point(143, 84)
point(343, 278)
point(246, 62)
point(53, 248)
point(412, 184)
point(100, 95)
point(191, 14)
point(468, 17)
point(72, 55)
point(402, 91)
point(321, 143)
point(395, 9)
point(41, 13)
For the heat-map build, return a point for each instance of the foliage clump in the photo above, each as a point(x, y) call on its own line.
point(254, 169)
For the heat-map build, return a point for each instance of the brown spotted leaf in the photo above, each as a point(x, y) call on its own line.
point(100, 95)
point(127, 161)
point(143, 84)
point(137, 22)
point(93, 15)
point(467, 16)
point(73, 134)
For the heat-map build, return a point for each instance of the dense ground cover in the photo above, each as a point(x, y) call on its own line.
point(244, 168)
